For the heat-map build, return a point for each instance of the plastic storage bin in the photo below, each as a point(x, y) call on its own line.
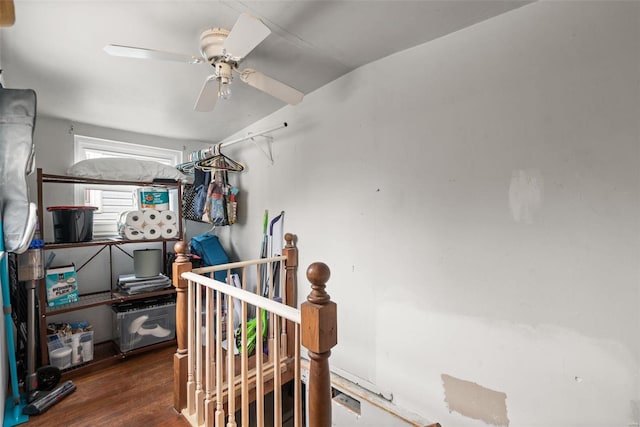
point(142, 323)
point(66, 351)
point(72, 224)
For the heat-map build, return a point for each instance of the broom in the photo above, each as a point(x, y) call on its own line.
point(251, 324)
point(251, 333)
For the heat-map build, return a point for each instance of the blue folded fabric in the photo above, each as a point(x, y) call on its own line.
point(208, 247)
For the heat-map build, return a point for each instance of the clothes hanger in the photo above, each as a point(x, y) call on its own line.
point(187, 168)
point(218, 162)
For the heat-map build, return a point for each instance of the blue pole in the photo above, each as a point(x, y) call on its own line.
point(13, 408)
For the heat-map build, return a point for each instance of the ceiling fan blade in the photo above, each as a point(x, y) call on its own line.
point(208, 95)
point(247, 33)
point(7, 13)
point(271, 86)
point(144, 53)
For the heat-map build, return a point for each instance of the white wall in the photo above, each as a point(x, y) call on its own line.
point(477, 200)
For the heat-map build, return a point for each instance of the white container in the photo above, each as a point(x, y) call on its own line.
point(60, 357)
point(147, 262)
point(80, 346)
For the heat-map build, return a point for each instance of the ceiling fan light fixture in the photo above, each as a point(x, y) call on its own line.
point(224, 77)
point(224, 90)
point(223, 71)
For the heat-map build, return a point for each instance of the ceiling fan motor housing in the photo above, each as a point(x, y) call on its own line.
point(223, 72)
point(211, 43)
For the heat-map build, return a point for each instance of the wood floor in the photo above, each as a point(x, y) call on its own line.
point(135, 392)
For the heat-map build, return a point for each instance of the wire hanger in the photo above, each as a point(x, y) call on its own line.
point(218, 162)
point(186, 168)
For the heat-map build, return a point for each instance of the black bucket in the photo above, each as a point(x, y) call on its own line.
point(72, 224)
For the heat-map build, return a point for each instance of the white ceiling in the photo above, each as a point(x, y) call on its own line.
point(55, 48)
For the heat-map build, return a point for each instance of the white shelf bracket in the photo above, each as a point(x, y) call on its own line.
point(268, 139)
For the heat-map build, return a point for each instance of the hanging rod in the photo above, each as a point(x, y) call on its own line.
point(187, 167)
point(252, 135)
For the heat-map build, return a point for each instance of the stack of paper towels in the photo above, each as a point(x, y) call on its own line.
point(148, 224)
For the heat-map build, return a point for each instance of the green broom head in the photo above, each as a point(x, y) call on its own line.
point(251, 333)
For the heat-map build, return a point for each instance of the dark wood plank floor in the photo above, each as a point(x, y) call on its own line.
point(138, 391)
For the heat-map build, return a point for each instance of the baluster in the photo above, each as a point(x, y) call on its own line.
point(297, 392)
point(244, 361)
point(277, 373)
point(231, 367)
point(210, 365)
point(259, 363)
point(290, 297)
point(197, 349)
point(219, 379)
point(319, 336)
point(213, 346)
point(284, 347)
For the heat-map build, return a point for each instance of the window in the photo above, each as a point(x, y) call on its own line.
point(113, 200)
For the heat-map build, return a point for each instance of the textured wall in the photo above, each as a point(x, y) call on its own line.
point(477, 199)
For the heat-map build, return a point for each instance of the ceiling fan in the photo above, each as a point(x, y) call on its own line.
point(224, 50)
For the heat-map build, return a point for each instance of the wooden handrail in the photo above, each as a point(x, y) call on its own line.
point(259, 301)
point(233, 265)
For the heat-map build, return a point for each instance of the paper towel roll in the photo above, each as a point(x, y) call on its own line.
point(132, 233)
point(151, 217)
point(151, 231)
point(147, 262)
point(168, 217)
point(132, 218)
point(169, 231)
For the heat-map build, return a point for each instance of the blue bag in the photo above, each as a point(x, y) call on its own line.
point(208, 247)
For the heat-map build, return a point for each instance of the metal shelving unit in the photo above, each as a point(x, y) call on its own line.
point(105, 353)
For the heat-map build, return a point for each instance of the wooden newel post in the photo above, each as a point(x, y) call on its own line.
point(319, 336)
point(180, 359)
point(290, 294)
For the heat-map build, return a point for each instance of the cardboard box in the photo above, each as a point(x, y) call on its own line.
point(62, 286)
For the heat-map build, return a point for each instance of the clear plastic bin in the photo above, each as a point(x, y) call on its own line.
point(137, 327)
point(80, 344)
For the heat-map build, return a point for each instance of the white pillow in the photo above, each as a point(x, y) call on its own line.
point(124, 169)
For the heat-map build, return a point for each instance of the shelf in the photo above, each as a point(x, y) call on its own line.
point(104, 353)
point(107, 353)
point(65, 179)
point(103, 298)
point(106, 242)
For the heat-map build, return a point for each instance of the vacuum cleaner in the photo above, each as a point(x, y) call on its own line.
point(39, 384)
